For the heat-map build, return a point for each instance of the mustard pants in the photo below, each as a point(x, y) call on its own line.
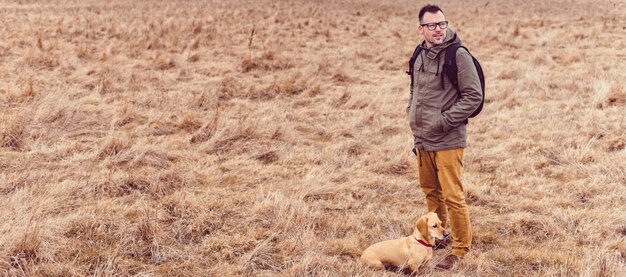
point(440, 179)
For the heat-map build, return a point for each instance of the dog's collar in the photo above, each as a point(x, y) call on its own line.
point(423, 242)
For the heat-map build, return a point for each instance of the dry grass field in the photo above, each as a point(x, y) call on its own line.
point(269, 138)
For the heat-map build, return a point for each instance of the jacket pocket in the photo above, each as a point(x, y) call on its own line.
point(443, 126)
point(434, 127)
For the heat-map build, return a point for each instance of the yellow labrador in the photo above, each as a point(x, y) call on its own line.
point(411, 251)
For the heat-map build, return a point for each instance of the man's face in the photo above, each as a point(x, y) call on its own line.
point(436, 36)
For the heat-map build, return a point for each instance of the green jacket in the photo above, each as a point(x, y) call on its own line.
point(437, 115)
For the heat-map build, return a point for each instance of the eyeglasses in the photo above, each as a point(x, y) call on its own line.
point(432, 26)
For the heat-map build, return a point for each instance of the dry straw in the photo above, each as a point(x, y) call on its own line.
point(270, 138)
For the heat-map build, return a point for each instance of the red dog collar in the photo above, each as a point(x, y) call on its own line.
point(423, 242)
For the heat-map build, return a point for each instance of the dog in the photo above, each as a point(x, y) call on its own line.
point(412, 251)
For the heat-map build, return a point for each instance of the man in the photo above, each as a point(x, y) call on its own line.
point(437, 114)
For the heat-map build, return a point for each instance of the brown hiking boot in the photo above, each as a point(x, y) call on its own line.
point(448, 262)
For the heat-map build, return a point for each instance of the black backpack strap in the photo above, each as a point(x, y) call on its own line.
point(451, 69)
point(416, 52)
point(449, 66)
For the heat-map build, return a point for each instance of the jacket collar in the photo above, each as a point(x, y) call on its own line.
point(432, 53)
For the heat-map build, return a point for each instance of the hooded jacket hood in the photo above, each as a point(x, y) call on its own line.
point(432, 53)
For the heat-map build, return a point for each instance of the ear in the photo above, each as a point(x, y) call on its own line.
point(432, 215)
point(422, 227)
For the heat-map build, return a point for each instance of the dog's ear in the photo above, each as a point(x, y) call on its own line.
point(432, 215)
point(422, 227)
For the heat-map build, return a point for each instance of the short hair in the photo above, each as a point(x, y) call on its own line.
point(428, 9)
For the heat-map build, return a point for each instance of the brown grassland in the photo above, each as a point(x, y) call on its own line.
point(263, 138)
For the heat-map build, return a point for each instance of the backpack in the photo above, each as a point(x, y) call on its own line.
point(450, 69)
